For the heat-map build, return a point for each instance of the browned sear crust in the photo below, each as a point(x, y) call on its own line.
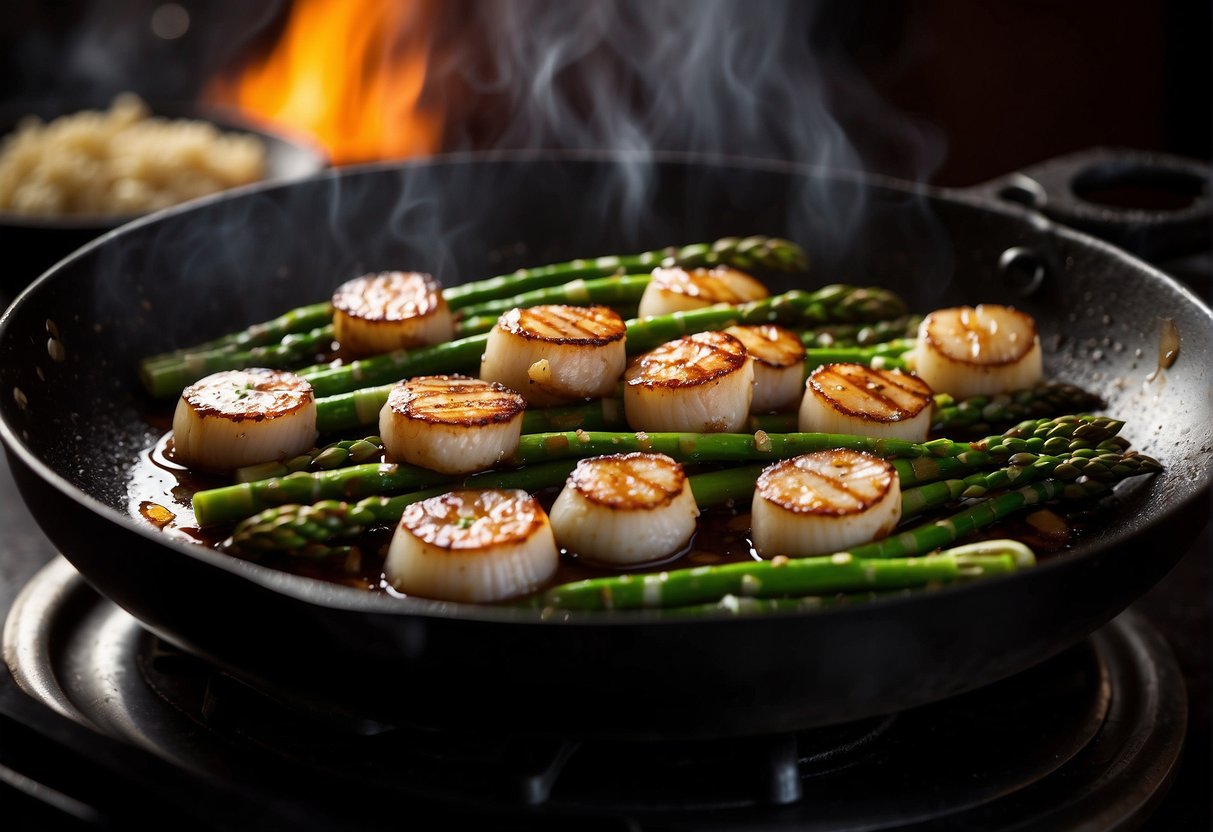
point(559, 324)
point(254, 395)
point(715, 285)
point(876, 395)
point(467, 521)
point(771, 345)
point(944, 328)
point(833, 483)
point(455, 400)
point(688, 361)
point(632, 481)
point(388, 296)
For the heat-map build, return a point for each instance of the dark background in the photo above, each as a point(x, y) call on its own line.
point(1003, 84)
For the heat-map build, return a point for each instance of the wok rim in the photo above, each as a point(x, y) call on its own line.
point(333, 596)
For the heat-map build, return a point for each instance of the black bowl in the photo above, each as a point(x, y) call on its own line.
point(34, 244)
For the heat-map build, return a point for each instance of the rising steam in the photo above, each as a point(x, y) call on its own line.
point(757, 79)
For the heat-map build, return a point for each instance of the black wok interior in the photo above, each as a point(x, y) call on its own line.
point(74, 415)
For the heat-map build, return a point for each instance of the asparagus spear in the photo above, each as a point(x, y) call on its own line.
point(291, 528)
point(337, 455)
point(312, 529)
point(599, 414)
point(454, 356)
point(1062, 435)
point(168, 377)
point(345, 403)
point(605, 291)
point(297, 320)
point(1021, 557)
point(863, 334)
point(755, 252)
point(163, 374)
point(979, 413)
point(885, 564)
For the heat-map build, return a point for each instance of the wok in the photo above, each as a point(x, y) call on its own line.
point(74, 420)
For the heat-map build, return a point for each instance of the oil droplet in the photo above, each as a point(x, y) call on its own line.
point(1168, 348)
point(1168, 344)
point(156, 514)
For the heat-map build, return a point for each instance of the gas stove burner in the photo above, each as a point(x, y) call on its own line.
point(1086, 740)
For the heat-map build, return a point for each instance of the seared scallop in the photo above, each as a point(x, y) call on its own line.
point(823, 502)
point(472, 546)
point(625, 509)
point(852, 398)
point(677, 289)
point(977, 351)
point(778, 365)
point(556, 354)
point(701, 383)
point(450, 424)
point(242, 417)
point(381, 312)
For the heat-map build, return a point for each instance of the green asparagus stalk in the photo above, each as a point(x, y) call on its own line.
point(217, 506)
point(167, 373)
point(235, 502)
point(345, 403)
point(984, 413)
point(980, 413)
point(733, 605)
point(1024, 468)
point(835, 303)
point(605, 291)
point(313, 530)
point(924, 469)
point(293, 526)
point(863, 334)
point(840, 572)
point(889, 355)
point(599, 414)
point(460, 355)
point(885, 564)
point(167, 378)
point(1064, 434)
point(756, 252)
point(303, 319)
point(337, 455)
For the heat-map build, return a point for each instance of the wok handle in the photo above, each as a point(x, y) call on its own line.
point(1155, 205)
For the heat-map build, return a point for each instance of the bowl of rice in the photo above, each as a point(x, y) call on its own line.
point(68, 175)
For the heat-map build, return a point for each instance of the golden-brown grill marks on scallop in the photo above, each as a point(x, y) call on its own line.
point(827, 483)
point(255, 395)
point(455, 400)
point(769, 344)
point(722, 284)
point(987, 335)
point(877, 395)
point(581, 325)
point(388, 297)
point(629, 481)
point(688, 361)
point(474, 520)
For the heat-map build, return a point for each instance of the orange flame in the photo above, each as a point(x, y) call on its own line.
point(351, 73)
